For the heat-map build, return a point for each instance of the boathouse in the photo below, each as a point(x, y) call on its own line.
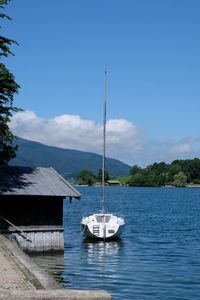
point(31, 207)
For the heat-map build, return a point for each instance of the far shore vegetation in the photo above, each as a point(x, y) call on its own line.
point(179, 173)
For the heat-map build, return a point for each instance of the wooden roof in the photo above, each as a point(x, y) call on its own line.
point(15, 180)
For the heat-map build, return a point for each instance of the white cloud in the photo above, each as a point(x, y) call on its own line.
point(72, 132)
point(181, 148)
point(125, 141)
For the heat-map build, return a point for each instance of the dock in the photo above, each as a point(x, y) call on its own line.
point(22, 279)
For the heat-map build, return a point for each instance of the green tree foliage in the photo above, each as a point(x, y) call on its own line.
point(86, 178)
point(176, 167)
point(159, 168)
point(138, 179)
point(193, 169)
point(135, 169)
point(180, 180)
point(178, 173)
point(8, 87)
point(106, 175)
point(144, 178)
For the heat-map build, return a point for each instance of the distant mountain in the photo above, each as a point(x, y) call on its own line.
point(67, 162)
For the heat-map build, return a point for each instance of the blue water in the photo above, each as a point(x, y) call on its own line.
point(158, 256)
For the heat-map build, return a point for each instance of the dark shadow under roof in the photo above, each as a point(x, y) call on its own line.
point(16, 180)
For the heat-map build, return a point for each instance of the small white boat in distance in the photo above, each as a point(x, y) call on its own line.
point(102, 226)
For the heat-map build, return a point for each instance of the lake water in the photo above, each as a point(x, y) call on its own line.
point(158, 256)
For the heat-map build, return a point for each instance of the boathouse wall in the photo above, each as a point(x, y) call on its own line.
point(31, 207)
point(31, 210)
point(37, 222)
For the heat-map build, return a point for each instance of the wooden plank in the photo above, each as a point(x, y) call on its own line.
point(41, 241)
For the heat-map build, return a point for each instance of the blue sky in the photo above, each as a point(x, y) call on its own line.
point(151, 50)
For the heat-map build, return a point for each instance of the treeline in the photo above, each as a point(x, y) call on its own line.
point(88, 178)
point(179, 173)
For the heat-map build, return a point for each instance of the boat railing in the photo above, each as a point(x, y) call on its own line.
point(118, 215)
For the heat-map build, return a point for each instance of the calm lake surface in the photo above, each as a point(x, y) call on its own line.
point(158, 256)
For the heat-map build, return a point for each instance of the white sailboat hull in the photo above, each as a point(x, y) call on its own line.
point(102, 226)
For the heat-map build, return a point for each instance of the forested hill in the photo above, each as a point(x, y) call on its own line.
point(67, 162)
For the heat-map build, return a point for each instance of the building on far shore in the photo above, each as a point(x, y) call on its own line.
point(113, 182)
point(31, 207)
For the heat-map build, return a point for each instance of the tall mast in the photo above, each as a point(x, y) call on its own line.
point(104, 144)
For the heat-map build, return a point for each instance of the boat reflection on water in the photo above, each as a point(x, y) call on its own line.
point(102, 261)
point(97, 250)
point(90, 264)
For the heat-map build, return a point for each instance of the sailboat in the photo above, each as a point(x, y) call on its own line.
point(102, 225)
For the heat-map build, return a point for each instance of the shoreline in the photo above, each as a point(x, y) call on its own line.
point(21, 278)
